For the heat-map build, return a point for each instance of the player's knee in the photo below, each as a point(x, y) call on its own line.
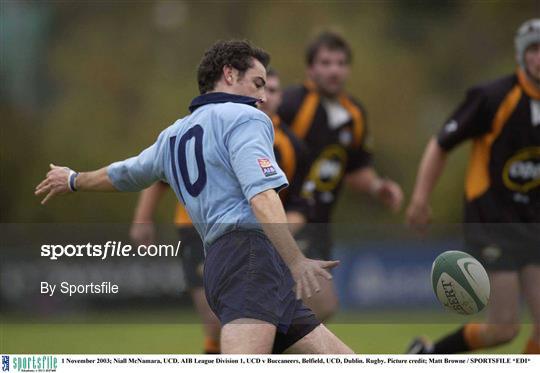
point(326, 308)
point(333, 306)
point(503, 333)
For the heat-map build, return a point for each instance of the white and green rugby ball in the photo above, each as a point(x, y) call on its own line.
point(460, 282)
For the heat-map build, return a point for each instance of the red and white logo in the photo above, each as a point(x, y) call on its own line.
point(266, 167)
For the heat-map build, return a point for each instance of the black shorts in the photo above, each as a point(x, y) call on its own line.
point(192, 255)
point(497, 257)
point(314, 240)
point(245, 277)
point(504, 246)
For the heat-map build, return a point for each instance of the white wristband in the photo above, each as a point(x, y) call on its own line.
point(72, 176)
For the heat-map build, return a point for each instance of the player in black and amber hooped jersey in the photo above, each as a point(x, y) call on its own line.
point(290, 152)
point(332, 126)
point(289, 155)
point(502, 196)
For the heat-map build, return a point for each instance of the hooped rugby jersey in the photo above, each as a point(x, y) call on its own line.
point(503, 178)
point(334, 133)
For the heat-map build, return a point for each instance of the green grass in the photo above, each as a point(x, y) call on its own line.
point(125, 334)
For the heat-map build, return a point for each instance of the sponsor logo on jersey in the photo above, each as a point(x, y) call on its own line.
point(327, 171)
point(521, 172)
point(266, 167)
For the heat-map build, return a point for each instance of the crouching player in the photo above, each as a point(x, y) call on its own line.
point(289, 155)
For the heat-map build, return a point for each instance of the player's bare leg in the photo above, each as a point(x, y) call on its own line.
point(503, 312)
point(247, 336)
point(501, 325)
point(325, 302)
point(530, 278)
point(211, 324)
point(319, 341)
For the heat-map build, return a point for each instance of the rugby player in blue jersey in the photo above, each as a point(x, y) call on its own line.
point(220, 163)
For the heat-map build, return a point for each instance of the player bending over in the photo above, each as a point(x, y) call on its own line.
point(220, 164)
point(502, 196)
point(288, 152)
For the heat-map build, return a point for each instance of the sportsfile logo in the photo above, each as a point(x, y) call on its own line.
point(266, 167)
point(43, 363)
point(5, 363)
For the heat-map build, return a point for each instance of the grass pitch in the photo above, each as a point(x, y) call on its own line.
point(125, 333)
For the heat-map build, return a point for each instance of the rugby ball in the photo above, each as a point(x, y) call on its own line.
point(460, 282)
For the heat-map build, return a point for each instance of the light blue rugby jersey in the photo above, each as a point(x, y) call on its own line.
point(215, 159)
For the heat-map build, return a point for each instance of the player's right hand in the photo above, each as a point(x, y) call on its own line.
point(418, 216)
point(305, 272)
point(143, 233)
point(55, 183)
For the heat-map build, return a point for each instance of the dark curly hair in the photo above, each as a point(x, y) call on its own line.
point(330, 40)
point(235, 53)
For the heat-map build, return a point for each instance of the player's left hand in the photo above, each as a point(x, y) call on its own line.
point(55, 183)
point(390, 194)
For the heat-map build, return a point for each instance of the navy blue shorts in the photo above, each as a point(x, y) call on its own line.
point(245, 277)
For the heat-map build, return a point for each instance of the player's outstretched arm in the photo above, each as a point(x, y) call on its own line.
point(387, 191)
point(269, 212)
point(130, 175)
point(431, 167)
point(63, 180)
